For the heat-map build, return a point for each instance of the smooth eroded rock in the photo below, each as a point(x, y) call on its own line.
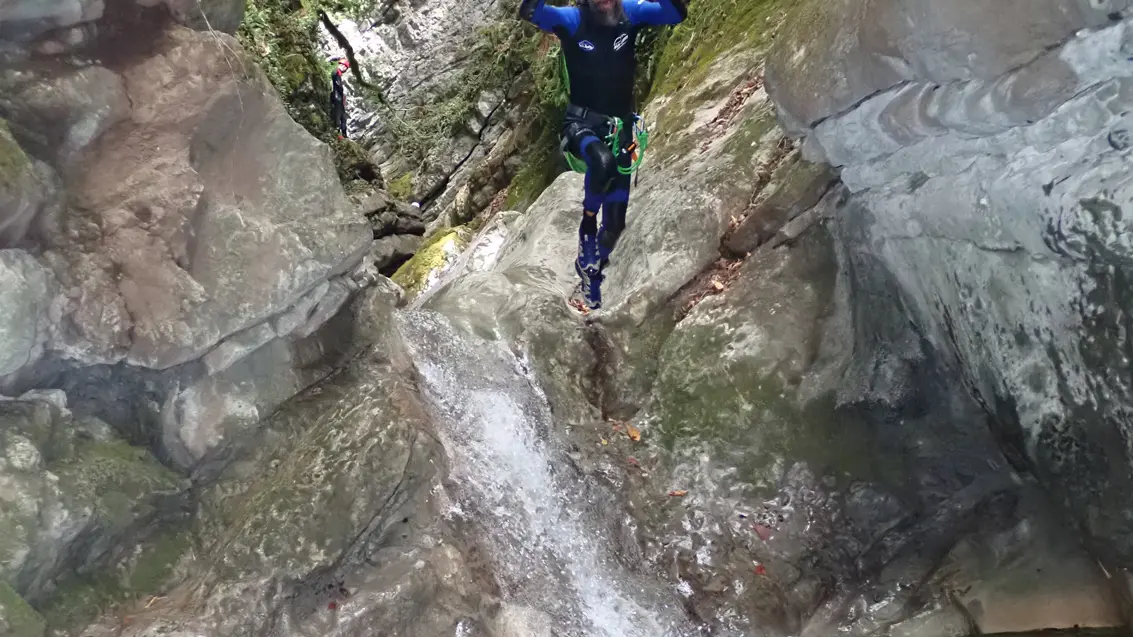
point(26, 288)
point(205, 214)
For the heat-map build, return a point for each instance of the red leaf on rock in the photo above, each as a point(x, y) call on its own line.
point(763, 532)
point(760, 569)
point(332, 606)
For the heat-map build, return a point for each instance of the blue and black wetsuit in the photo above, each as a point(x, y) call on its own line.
point(601, 65)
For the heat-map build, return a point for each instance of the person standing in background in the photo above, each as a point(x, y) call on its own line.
point(338, 96)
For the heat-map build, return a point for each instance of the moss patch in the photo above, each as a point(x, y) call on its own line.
point(80, 599)
point(751, 416)
point(414, 273)
point(402, 187)
point(13, 161)
point(541, 165)
point(712, 28)
point(112, 477)
point(22, 620)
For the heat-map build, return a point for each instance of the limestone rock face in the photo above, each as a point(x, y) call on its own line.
point(25, 286)
point(181, 234)
point(71, 491)
point(988, 177)
point(182, 217)
point(832, 55)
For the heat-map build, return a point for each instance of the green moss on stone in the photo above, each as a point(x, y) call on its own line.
point(13, 161)
point(541, 165)
point(713, 27)
point(413, 274)
point(112, 476)
point(402, 187)
point(22, 620)
point(79, 599)
point(155, 564)
point(750, 416)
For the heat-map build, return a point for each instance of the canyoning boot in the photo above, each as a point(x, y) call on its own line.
point(589, 253)
point(590, 285)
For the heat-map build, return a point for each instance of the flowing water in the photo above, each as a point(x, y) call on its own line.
point(514, 483)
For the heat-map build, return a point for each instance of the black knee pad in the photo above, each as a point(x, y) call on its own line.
point(603, 166)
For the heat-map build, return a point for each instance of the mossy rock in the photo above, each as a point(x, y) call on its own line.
point(17, 618)
point(714, 27)
point(113, 476)
point(13, 160)
point(730, 373)
point(353, 163)
point(402, 187)
point(79, 599)
point(413, 275)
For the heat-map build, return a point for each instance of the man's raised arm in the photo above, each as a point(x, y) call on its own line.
point(549, 18)
point(656, 13)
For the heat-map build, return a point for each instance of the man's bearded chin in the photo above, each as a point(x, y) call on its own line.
point(606, 17)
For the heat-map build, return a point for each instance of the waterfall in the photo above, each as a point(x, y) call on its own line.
point(512, 481)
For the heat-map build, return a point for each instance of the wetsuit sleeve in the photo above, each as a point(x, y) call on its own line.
point(656, 13)
point(549, 18)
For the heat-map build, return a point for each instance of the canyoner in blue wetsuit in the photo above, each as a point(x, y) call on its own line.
point(598, 40)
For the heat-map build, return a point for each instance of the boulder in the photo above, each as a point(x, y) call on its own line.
point(29, 192)
point(327, 519)
point(388, 216)
point(393, 250)
point(199, 217)
point(26, 287)
point(991, 185)
point(22, 20)
point(72, 491)
point(832, 55)
point(251, 377)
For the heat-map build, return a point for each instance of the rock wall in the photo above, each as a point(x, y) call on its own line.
point(986, 150)
point(174, 254)
point(166, 206)
point(420, 56)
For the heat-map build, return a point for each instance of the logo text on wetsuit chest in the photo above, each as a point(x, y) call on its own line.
point(621, 41)
point(586, 45)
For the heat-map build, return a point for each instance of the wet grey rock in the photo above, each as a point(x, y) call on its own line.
point(993, 194)
point(853, 51)
point(795, 188)
point(29, 192)
point(57, 116)
point(327, 520)
point(207, 15)
point(388, 216)
point(73, 492)
point(26, 287)
point(168, 251)
point(23, 20)
point(391, 251)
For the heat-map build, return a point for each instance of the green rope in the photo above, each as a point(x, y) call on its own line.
point(641, 135)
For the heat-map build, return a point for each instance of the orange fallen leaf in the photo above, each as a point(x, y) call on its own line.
point(678, 493)
point(760, 570)
point(633, 433)
point(716, 284)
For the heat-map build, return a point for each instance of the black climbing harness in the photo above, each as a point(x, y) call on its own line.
point(636, 148)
